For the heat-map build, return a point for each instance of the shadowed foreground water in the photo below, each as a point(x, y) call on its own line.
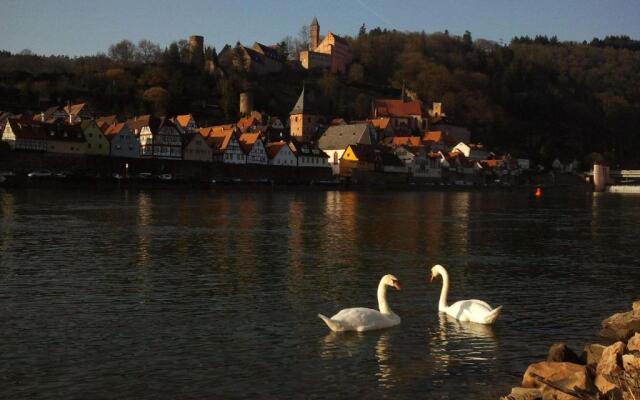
point(193, 295)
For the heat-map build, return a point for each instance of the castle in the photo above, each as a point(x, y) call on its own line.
point(331, 53)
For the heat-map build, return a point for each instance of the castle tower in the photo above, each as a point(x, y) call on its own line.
point(303, 119)
point(246, 103)
point(196, 48)
point(314, 32)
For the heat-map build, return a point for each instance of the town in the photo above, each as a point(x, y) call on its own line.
point(404, 140)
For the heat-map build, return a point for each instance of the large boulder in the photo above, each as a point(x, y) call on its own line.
point(634, 343)
point(563, 374)
point(592, 354)
point(631, 363)
point(622, 326)
point(609, 367)
point(562, 353)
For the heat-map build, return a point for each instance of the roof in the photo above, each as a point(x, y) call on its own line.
point(274, 148)
point(397, 108)
point(115, 129)
point(64, 132)
point(380, 123)
point(304, 105)
point(364, 152)
point(267, 51)
point(183, 120)
point(247, 140)
point(24, 130)
point(247, 121)
point(337, 38)
point(341, 136)
point(305, 149)
point(315, 22)
point(394, 141)
point(74, 109)
point(109, 120)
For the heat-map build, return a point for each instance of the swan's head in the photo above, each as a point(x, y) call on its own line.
point(436, 270)
point(392, 281)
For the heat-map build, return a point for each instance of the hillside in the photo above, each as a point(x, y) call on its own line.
point(538, 97)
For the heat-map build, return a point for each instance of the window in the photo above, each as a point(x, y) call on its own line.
point(335, 157)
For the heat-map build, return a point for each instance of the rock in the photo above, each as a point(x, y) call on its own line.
point(634, 343)
point(607, 388)
point(561, 352)
point(631, 363)
point(568, 375)
point(611, 361)
point(622, 326)
point(592, 353)
point(519, 393)
point(575, 381)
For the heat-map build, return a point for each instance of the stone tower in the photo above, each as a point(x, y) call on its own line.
point(303, 119)
point(314, 32)
point(196, 48)
point(246, 103)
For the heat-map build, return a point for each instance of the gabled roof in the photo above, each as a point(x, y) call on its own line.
point(410, 141)
point(397, 108)
point(74, 109)
point(337, 38)
point(115, 129)
point(364, 152)
point(274, 148)
point(267, 51)
point(247, 140)
point(109, 120)
point(183, 120)
point(380, 123)
point(341, 136)
point(23, 130)
point(304, 105)
point(247, 121)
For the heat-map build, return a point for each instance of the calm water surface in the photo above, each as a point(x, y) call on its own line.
point(198, 294)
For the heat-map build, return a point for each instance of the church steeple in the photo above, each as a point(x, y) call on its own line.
point(303, 118)
point(314, 32)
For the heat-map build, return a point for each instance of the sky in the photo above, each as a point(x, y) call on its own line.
point(86, 27)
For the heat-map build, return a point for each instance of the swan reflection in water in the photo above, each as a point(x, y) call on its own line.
point(354, 344)
point(456, 342)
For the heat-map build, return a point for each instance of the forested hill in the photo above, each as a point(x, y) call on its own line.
point(535, 96)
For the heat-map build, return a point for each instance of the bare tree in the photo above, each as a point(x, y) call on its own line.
point(148, 52)
point(123, 51)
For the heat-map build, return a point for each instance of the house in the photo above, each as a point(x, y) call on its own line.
point(186, 123)
point(428, 165)
point(225, 146)
point(332, 52)
point(23, 135)
point(159, 137)
point(97, 142)
point(401, 113)
point(253, 147)
point(281, 154)
point(395, 141)
point(270, 52)
point(252, 61)
point(76, 113)
point(65, 138)
point(124, 143)
point(455, 132)
point(197, 148)
point(382, 126)
point(475, 152)
point(304, 118)
point(362, 157)
point(309, 156)
point(248, 124)
point(275, 130)
point(438, 141)
point(335, 140)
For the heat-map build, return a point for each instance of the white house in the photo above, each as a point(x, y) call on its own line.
point(253, 147)
point(335, 140)
point(309, 156)
point(281, 154)
point(226, 148)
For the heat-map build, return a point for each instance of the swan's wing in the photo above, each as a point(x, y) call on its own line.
point(467, 310)
point(481, 303)
point(361, 318)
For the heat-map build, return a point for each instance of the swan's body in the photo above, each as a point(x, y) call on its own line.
point(472, 310)
point(366, 319)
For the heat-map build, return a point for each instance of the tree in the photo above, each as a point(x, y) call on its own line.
point(156, 99)
point(363, 31)
point(356, 73)
point(122, 52)
point(147, 52)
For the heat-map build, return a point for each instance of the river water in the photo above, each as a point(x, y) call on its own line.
point(194, 294)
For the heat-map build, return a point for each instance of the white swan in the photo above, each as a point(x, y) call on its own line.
point(464, 310)
point(365, 319)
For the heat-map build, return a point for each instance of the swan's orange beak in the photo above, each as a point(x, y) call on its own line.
point(396, 285)
point(433, 278)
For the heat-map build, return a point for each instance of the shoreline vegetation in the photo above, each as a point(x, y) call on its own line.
point(609, 369)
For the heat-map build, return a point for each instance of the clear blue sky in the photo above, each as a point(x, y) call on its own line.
point(85, 27)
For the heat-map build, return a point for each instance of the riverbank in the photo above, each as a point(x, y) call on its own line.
point(606, 370)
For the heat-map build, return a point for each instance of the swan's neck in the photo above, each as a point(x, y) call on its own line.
point(382, 299)
point(442, 304)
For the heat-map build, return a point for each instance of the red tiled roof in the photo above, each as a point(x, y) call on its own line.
point(397, 108)
point(274, 148)
point(380, 123)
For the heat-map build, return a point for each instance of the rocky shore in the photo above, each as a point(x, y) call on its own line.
point(606, 370)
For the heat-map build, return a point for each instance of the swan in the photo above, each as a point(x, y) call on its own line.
point(464, 310)
point(366, 319)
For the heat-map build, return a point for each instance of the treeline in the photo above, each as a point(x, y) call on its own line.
point(537, 97)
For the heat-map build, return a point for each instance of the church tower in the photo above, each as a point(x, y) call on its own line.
point(314, 32)
point(303, 119)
